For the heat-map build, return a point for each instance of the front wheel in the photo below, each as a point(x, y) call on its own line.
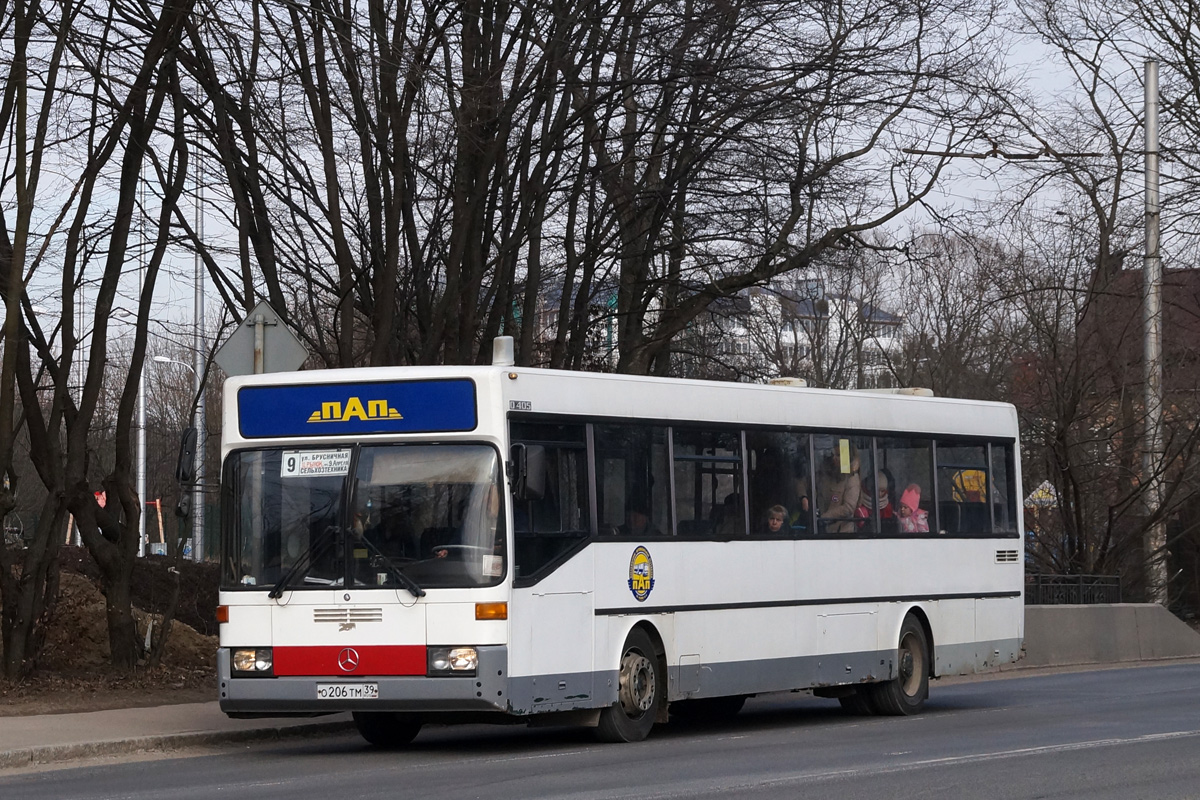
point(387, 729)
point(639, 693)
point(906, 693)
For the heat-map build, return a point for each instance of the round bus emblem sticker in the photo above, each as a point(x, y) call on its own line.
point(641, 574)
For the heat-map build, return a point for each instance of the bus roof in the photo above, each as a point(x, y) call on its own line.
point(536, 391)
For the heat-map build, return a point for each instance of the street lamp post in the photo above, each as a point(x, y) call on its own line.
point(140, 468)
point(198, 498)
point(141, 461)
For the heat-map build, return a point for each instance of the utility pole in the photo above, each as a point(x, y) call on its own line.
point(1155, 541)
point(198, 351)
point(141, 401)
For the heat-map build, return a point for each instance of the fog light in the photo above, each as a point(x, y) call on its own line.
point(462, 661)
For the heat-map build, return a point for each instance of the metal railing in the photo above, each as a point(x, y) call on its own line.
point(1071, 589)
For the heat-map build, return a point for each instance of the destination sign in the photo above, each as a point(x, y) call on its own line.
point(338, 409)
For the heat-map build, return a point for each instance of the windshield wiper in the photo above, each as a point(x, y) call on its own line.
point(408, 583)
point(305, 562)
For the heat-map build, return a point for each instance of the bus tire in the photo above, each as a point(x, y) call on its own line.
point(708, 709)
point(906, 693)
point(858, 702)
point(386, 728)
point(640, 691)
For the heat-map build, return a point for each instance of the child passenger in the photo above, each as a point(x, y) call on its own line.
point(913, 518)
point(775, 518)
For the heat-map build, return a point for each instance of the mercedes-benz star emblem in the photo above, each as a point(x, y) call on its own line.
point(348, 659)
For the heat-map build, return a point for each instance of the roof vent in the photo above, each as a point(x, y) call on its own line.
point(796, 382)
point(502, 352)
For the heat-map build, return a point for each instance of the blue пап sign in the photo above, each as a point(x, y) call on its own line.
point(338, 409)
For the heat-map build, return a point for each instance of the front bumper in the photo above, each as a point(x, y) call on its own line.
point(297, 696)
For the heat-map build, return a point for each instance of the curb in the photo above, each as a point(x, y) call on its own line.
point(47, 754)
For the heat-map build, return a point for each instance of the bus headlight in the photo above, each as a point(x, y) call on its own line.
point(252, 661)
point(462, 661)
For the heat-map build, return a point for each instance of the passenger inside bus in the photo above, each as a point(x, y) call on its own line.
point(637, 521)
point(878, 494)
point(776, 515)
point(913, 518)
point(839, 488)
point(728, 518)
point(803, 513)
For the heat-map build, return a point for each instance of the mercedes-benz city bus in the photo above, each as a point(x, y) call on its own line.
point(504, 543)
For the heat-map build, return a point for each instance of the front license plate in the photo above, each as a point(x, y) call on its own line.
point(347, 691)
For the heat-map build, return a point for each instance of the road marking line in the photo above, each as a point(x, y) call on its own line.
point(804, 777)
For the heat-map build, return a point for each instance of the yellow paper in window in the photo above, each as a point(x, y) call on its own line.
point(844, 455)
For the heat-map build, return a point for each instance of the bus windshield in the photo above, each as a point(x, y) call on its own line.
point(381, 516)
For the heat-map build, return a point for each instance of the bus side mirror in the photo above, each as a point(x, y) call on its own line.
point(184, 507)
point(518, 469)
point(185, 468)
point(528, 467)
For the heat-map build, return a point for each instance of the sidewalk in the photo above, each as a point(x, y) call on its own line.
point(25, 741)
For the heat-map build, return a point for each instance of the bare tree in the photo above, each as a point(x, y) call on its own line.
point(126, 55)
point(28, 583)
point(411, 180)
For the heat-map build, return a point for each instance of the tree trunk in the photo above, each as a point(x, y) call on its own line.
point(124, 647)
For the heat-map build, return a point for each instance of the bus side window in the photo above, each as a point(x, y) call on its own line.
point(903, 463)
point(842, 461)
point(1004, 505)
point(963, 487)
point(554, 514)
point(632, 483)
point(708, 483)
point(779, 475)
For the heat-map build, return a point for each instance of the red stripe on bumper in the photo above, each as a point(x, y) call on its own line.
point(350, 661)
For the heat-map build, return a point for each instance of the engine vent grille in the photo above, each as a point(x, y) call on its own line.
point(340, 615)
point(1006, 556)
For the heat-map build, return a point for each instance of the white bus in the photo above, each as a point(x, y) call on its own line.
point(499, 542)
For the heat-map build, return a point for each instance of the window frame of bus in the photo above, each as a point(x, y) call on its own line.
point(788, 532)
point(228, 519)
point(1011, 493)
point(608, 532)
point(588, 448)
point(739, 471)
point(913, 442)
point(945, 442)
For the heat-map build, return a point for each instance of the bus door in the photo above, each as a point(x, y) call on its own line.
point(552, 617)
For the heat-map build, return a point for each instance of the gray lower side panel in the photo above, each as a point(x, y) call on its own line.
point(566, 692)
point(779, 674)
point(691, 681)
point(493, 691)
point(972, 657)
point(487, 691)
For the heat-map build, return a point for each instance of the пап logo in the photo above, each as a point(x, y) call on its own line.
point(641, 574)
point(354, 409)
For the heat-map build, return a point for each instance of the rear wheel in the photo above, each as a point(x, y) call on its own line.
point(387, 728)
point(639, 693)
point(906, 693)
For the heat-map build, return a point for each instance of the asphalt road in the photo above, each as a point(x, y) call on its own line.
point(1127, 733)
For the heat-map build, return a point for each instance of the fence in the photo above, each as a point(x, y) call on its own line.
point(1054, 590)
